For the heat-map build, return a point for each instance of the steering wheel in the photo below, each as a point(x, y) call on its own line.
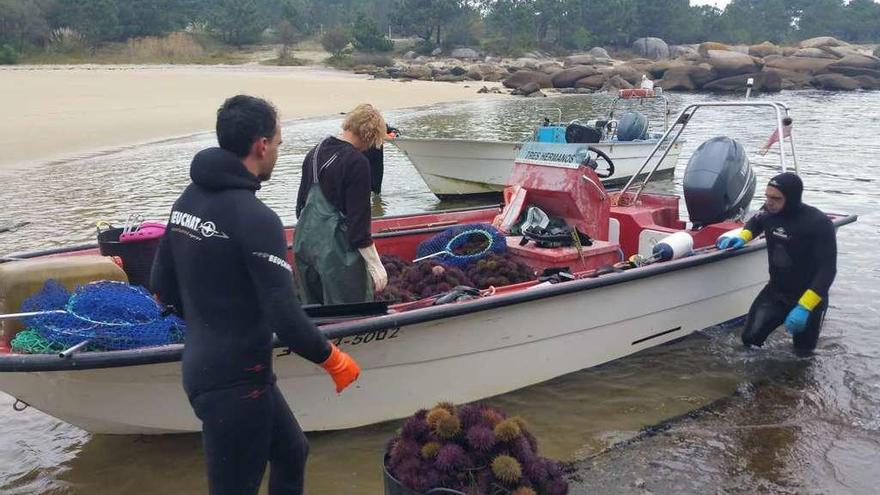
point(593, 164)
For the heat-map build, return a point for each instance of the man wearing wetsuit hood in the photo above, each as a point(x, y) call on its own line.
point(802, 254)
point(223, 263)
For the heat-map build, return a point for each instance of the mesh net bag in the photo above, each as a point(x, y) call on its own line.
point(463, 244)
point(109, 315)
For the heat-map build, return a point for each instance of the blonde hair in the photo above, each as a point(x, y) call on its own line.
point(367, 124)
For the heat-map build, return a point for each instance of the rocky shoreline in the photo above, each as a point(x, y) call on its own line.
point(817, 63)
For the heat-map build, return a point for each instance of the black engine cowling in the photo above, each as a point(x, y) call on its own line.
point(718, 182)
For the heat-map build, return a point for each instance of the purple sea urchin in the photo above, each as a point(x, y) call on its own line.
point(415, 428)
point(469, 415)
point(480, 438)
point(492, 416)
point(536, 471)
point(557, 487)
point(507, 431)
point(506, 469)
point(403, 449)
point(449, 457)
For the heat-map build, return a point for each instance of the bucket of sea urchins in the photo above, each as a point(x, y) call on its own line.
point(473, 449)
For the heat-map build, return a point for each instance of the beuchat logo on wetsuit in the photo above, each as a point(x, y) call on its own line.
point(194, 227)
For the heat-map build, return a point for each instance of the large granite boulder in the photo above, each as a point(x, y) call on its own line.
point(788, 79)
point(659, 68)
point(599, 52)
point(821, 41)
point(687, 77)
point(450, 78)
point(520, 78)
point(525, 63)
point(861, 61)
point(566, 78)
point(765, 81)
point(591, 82)
point(836, 82)
point(677, 79)
point(465, 53)
point(582, 59)
point(550, 67)
point(814, 53)
point(527, 89)
point(868, 82)
point(615, 83)
point(686, 52)
point(841, 51)
point(761, 50)
point(653, 48)
point(800, 64)
point(629, 73)
point(729, 63)
point(422, 72)
point(704, 47)
point(854, 71)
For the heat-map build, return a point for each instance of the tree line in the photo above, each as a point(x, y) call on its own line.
point(499, 26)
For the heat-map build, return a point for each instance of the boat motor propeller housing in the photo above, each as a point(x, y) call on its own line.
point(632, 125)
point(719, 182)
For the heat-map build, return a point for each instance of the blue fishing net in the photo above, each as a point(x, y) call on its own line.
point(463, 244)
point(109, 315)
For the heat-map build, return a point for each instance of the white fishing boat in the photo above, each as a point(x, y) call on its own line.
point(465, 167)
point(505, 339)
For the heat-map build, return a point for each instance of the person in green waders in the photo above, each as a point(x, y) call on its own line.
point(336, 260)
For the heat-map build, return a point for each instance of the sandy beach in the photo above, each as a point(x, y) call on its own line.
point(57, 112)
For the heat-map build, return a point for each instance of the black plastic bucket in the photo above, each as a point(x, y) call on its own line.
point(395, 487)
point(137, 256)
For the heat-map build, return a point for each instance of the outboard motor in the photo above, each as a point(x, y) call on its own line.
point(718, 182)
point(631, 126)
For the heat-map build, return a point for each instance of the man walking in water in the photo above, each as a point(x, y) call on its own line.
point(802, 253)
point(223, 264)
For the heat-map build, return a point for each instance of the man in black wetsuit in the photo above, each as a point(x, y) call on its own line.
point(802, 253)
point(376, 157)
point(223, 264)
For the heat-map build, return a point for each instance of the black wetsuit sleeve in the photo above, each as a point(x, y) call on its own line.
point(824, 257)
point(163, 277)
point(357, 201)
point(265, 254)
point(755, 225)
point(305, 183)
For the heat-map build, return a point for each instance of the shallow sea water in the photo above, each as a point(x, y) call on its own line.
point(702, 415)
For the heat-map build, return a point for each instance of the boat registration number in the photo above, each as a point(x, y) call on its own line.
point(366, 338)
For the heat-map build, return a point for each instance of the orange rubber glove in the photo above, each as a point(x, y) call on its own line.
point(342, 368)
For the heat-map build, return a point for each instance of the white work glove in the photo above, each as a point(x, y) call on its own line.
point(374, 266)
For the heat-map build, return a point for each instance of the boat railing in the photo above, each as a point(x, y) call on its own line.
point(672, 134)
point(653, 95)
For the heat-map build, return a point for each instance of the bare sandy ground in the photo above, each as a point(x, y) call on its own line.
point(57, 112)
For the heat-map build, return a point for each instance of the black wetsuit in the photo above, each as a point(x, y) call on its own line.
point(223, 262)
point(802, 254)
point(376, 157)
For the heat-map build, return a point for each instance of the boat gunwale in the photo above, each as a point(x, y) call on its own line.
point(171, 353)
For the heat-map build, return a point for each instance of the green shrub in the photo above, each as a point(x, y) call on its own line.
point(8, 55)
point(368, 37)
point(335, 41)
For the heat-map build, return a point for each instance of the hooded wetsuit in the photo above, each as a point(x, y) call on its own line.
point(223, 263)
point(802, 255)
